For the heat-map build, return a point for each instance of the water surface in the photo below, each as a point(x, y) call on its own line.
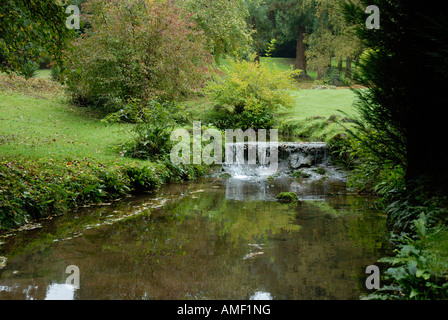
point(209, 239)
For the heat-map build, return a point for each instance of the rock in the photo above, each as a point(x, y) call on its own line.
point(287, 197)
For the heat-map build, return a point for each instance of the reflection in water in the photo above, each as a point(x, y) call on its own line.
point(204, 242)
point(60, 292)
point(261, 296)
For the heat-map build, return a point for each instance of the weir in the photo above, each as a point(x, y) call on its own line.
point(253, 159)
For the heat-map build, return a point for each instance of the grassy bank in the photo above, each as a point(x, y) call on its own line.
point(55, 157)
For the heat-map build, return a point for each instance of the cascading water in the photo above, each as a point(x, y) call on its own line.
point(303, 168)
point(256, 159)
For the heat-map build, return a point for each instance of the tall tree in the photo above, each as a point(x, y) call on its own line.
point(292, 20)
point(258, 20)
point(30, 29)
point(407, 74)
point(331, 37)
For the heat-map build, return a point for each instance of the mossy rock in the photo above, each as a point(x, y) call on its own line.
point(225, 175)
point(287, 197)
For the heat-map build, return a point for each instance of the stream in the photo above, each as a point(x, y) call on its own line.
point(214, 238)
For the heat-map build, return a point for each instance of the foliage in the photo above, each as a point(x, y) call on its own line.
point(151, 134)
point(36, 188)
point(412, 274)
point(252, 92)
point(56, 73)
point(223, 23)
point(332, 76)
point(401, 54)
point(259, 21)
point(320, 50)
point(288, 130)
point(30, 29)
point(136, 50)
point(291, 20)
point(370, 174)
point(137, 112)
point(29, 70)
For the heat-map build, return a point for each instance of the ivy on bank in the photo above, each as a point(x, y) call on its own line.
point(35, 189)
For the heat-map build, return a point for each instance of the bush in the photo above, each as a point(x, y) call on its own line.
point(251, 92)
point(288, 130)
point(56, 73)
point(29, 69)
point(416, 271)
point(152, 133)
point(136, 50)
point(332, 76)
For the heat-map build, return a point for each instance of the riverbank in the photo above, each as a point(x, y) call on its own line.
point(55, 158)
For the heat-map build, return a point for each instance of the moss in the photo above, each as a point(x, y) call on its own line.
point(287, 197)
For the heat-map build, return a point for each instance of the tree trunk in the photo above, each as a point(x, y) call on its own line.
point(348, 69)
point(340, 65)
point(300, 54)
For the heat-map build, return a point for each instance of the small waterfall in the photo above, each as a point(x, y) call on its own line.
point(253, 159)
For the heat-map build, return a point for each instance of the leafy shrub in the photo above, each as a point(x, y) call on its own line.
point(251, 92)
point(29, 69)
point(143, 178)
point(137, 112)
point(332, 76)
point(56, 73)
point(142, 50)
point(152, 133)
point(412, 274)
point(370, 173)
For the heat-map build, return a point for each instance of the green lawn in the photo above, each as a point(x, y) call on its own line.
point(48, 127)
point(318, 103)
point(43, 73)
point(51, 128)
point(309, 103)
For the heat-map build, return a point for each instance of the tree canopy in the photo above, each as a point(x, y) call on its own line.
point(29, 29)
point(223, 22)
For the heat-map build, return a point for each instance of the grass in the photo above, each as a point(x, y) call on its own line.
point(51, 128)
point(309, 102)
point(55, 157)
point(43, 73)
point(323, 103)
point(314, 115)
